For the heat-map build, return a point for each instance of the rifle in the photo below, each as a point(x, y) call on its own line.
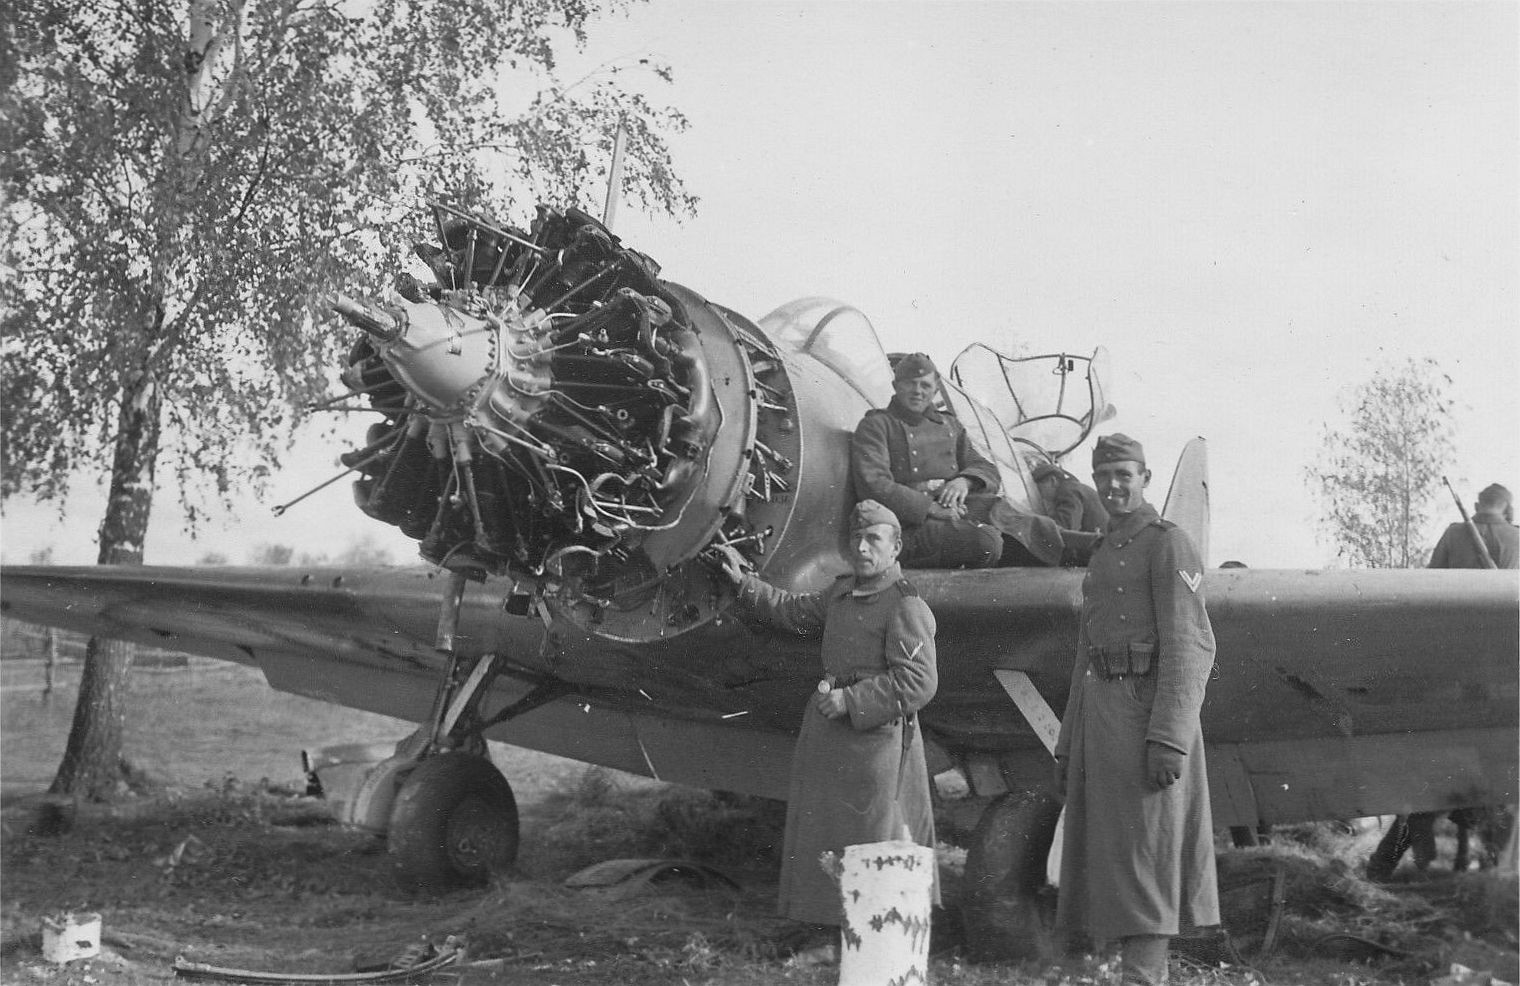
point(1472, 529)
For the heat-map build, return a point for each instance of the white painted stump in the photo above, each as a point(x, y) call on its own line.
point(887, 889)
point(69, 936)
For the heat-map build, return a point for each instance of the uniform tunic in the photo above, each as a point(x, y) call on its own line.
point(1457, 550)
point(1138, 860)
point(899, 459)
point(854, 780)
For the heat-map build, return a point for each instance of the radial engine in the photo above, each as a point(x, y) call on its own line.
point(554, 412)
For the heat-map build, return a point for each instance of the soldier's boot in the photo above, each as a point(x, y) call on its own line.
point(1381, 864)
point(1142, 960)
point(1422, 838)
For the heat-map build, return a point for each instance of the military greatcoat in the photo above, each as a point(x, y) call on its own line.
point(899, 458)
point(856, 779)
point(1137, 859)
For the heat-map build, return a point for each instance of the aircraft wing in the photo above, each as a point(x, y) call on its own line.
point(1337, 693)
point(363, 638)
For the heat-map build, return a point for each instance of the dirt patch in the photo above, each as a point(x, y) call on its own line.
point(260, 878)
point(249, 874)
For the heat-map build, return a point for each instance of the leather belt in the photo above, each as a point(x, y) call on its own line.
point(1122, 660)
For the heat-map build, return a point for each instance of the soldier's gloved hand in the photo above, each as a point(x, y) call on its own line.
point(1163, 764)
point(1060, 778)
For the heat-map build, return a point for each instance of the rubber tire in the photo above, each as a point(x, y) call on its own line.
point(1007, 905)
point(453, 825)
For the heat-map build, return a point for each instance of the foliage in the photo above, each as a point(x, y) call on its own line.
point(271, 554)
point(1378, 474)
point(187, 182)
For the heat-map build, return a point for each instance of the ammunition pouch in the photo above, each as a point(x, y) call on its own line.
point(1122, 660)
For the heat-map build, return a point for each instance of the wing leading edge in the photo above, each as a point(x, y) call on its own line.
point(1337, 693)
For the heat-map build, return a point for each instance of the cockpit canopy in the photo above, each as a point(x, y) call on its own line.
point(1018, 411)
point(1050, 402)
point(838, 336)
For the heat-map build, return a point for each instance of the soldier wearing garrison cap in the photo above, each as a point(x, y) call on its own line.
point(858, 771)
point(1492, 533)
point(919, 462)
point(1138, 858)
point(1491, 515)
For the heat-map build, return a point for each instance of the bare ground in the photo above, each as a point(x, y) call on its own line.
point(226, 869)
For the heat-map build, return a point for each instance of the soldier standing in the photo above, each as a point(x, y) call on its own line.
point(1138, 858)
point(858, 773)
point(1461, 546)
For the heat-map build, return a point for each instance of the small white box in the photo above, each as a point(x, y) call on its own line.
point(69, 936)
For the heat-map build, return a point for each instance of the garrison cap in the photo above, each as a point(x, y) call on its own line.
point(1495, 495)
point(1045, 470)
point(913, 365)
point(868, 513)
point(1117, 448)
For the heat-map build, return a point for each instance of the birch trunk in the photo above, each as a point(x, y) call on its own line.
point(93, 766)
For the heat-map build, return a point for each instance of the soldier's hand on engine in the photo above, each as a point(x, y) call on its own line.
point(728, 561)
point(1163, 764)
point(831, 703)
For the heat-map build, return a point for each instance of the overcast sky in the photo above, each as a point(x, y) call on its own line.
point(1253, 207)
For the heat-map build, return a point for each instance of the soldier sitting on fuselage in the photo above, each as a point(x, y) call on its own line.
point(919, 462)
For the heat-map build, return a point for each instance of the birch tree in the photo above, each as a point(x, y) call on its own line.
point(1379, 472)
point(186, 182)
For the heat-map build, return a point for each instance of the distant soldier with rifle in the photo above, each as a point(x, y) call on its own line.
point(1487, 539)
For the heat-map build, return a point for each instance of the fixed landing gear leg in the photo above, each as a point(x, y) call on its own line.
point(448, 815)
point(454, 819)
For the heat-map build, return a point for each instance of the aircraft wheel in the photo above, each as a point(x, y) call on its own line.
point(1007, 905)
point(454, 823)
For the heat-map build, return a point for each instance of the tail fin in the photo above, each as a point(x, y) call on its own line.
point(1187, 501)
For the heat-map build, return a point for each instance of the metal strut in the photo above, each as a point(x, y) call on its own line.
point(453, 681)
point(459, 694)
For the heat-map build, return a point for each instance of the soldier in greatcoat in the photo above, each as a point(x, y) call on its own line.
point(921, 465)
point(1137, 862)
point(858, 773)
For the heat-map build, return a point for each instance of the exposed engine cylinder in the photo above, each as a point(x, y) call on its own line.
point(550, 412)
